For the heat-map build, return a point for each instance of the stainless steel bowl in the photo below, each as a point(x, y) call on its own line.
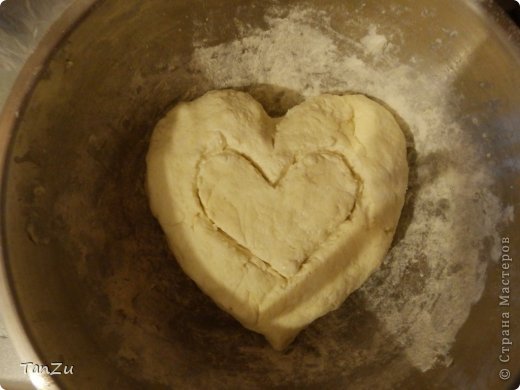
point(73, 137)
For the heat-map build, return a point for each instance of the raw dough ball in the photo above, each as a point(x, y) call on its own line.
point(278, 220)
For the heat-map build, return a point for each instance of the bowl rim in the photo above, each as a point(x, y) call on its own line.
point(17, 101)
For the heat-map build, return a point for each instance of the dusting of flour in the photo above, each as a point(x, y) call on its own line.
point(373, 43)
point(435, 271)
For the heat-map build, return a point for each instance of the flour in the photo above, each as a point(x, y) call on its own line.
point(434, 273)
point(373, 43)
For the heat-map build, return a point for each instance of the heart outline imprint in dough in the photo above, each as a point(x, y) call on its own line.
point(350, 144)
point(255, 200)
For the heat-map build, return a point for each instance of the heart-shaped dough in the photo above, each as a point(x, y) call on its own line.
point(278, 220)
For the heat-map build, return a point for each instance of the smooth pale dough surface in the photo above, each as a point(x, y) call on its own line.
point(278, 220)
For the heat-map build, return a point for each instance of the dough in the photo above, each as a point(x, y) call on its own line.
point(278, 220)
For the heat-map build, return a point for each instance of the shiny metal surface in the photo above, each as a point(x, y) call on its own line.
point(73, 128)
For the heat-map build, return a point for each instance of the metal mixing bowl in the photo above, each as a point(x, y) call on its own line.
point(73, 139)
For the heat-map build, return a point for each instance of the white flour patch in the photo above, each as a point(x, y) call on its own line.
point(373, 43)
point(436, 271)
